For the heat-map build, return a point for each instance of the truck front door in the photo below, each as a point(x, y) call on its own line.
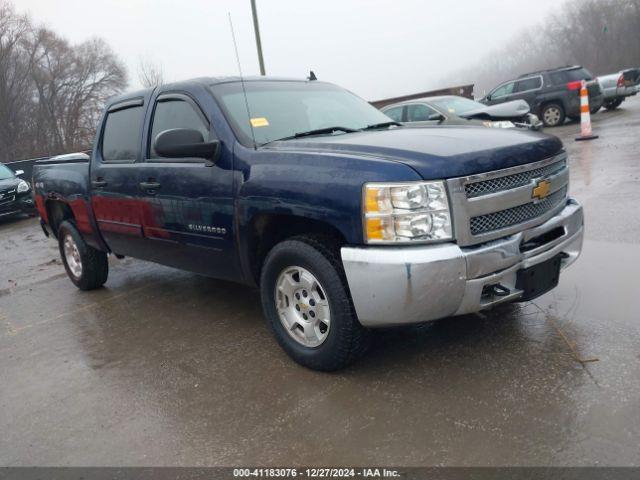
point(187, 203)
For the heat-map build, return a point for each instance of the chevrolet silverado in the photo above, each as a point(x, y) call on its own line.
point(345, 220)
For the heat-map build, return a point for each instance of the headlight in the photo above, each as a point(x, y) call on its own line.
point(499, 124)
point(406, 212)
point(23, 187)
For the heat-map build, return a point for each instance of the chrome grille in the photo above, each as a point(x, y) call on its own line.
point(7, 197)
point(492, 205)
point(508, 182)
point(515, 215)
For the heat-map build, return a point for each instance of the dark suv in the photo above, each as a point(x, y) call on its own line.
point(552, 94)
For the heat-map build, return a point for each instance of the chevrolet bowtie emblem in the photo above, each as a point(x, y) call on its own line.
point(541, 190)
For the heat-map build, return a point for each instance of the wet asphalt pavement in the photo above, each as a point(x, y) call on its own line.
point(163, 367)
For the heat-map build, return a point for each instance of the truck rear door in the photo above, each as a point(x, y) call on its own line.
point(187, 203)
point(114, 178)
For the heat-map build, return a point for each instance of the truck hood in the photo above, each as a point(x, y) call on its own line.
point(435, 152)
point(513, 109)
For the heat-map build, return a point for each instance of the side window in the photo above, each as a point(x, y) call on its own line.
point(528, 84)
point(394, 113)
point(503, 90)
point(419, 113)
point(175, 114)
point(120, 140)
point(558, 78)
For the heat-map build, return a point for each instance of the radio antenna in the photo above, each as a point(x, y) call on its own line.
point(244, 90)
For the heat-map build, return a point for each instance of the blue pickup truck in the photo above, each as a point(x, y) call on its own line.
point(344, 219)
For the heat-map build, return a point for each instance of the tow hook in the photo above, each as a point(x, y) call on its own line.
point(496, 290)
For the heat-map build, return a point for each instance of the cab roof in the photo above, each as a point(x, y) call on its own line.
point(202, 81)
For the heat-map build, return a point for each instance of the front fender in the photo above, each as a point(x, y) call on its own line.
point(325, 187)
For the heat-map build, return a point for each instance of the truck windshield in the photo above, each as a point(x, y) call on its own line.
point(5, 173)
point(282, 109)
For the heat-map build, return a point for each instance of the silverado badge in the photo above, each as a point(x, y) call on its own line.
point(541, 190)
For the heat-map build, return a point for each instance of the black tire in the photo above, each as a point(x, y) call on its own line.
point(346, 339)
point(613, 104)
point(94, 263)
point(552, 114)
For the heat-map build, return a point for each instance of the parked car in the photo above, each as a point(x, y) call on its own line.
point(552, 94)
point(345, 220)
point(618, 86)
point(455, 110)
point(15, 193)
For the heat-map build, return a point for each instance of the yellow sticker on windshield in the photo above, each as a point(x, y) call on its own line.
point(259, 122)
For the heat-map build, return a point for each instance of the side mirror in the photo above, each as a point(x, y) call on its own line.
point(19, 172)
point(488, 98)
point(184, 143)
point(437, 117)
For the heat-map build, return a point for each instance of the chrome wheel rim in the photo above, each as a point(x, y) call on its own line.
point(552, 115)
point(302, 306)
point(72, 256)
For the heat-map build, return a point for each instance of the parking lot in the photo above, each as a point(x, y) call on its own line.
point(163, 367)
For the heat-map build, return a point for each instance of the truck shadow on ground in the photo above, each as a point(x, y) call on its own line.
point(195, 355)
point(186, 319)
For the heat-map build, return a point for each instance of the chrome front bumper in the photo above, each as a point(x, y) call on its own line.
point(404, 285)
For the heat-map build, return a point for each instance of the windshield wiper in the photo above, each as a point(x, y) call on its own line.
point(317, 131)
point(320, 131)
point(382, 125)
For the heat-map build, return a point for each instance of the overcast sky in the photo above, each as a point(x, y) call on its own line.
point(375, 48)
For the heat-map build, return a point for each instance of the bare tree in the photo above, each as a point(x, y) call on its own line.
point(15, 82)
point(598, 34)
point(150, 73)
point(72, 83)
point(51, 92)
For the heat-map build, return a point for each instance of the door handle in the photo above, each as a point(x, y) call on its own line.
point(150, 186)
point(99, 183)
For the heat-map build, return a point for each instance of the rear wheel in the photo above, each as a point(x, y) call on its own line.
point(613, 104)
point(87, 267)
point(308, 306)
point(552, 115)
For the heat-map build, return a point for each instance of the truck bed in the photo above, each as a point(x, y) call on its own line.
point(65, 180)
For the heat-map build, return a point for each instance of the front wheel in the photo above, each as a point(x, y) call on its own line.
point(87, 267)
point(307, 304)
point(552, 115)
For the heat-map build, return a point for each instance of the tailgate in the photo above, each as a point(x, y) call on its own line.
point(631, 77)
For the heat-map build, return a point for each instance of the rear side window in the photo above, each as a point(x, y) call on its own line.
point(578, 74)
point(394, 113)
point(121, 138)
point(528, 84)
point(171, 114)
point(419, 113)
point(557, 78)
point(566, 76)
